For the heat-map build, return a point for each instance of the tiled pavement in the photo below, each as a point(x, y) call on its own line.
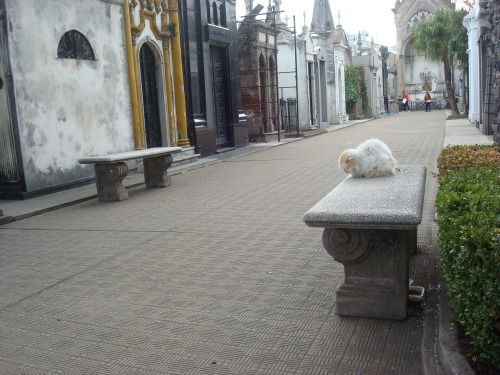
point(216, 274)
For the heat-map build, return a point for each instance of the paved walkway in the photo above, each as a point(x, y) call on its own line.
point(216, 274)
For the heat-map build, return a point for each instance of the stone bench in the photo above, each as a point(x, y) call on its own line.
point(110, 170)
point(370, 227)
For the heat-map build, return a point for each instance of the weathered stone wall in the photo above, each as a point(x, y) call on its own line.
point(67, 108)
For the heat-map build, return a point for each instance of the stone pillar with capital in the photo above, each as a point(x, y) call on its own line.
point(180, 99)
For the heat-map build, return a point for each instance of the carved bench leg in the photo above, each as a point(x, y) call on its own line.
point(376, 271)
point(155, 171)
point(109, 179)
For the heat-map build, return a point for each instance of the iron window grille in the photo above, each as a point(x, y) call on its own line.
point(74, 45)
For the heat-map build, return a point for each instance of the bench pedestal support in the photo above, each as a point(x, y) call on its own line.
point(376, 270)
point(109, 179)
point(155, 171)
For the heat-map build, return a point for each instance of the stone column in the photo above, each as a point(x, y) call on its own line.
point(132, 76)
point(168, 89)
point(180, 100)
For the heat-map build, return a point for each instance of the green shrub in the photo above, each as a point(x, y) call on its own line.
point(452, 157)
point(355, 87)
point(352, 84)
point(468, 208)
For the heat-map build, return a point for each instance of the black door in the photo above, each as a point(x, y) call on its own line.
point(152, 122)
point(219, 68)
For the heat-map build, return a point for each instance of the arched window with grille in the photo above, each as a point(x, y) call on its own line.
point(222, 12)
point(209, 11)
point(215, 15)
point(74, 45)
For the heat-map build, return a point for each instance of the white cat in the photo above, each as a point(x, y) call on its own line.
point(372, 158)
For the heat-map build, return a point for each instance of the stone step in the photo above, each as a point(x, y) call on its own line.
point(5, 219)
point(182, 159)
point(186, 161)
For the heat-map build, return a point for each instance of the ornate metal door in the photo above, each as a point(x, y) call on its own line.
point(220, 94)
point(152, 123)
point(9, 171)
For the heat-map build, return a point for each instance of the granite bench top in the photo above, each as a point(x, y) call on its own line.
point(393, 202)
point(129, 155)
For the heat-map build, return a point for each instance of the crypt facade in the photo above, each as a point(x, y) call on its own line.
point(415, 73)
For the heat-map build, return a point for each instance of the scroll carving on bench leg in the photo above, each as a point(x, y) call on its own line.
point(344, 245)
point(109, 179)
point(155, 171)
point(376, 271)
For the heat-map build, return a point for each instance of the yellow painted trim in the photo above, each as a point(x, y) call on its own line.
point(161, 34)
point(180, 99)
point(151, 16)
point(132, 75)
point(138, 29)
point(138, 90)
point(168, 89)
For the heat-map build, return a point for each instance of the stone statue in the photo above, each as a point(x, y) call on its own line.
point(434, 86)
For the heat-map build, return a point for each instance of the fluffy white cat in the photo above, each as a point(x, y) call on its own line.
point(372, 158)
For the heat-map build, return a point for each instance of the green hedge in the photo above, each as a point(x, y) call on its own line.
point(468, 208)
point(452, 157)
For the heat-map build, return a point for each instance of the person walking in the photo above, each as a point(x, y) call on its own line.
point(427, 99)
point(406, 98)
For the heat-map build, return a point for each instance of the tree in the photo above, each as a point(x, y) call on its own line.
point(444, 38)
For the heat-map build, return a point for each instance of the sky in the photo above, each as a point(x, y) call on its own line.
point(373, 16)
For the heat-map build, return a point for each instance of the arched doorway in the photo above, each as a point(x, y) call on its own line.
point(152, 122)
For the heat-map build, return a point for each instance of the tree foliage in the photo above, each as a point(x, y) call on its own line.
point(444, 38)
point(352, 87)
point(355, 87)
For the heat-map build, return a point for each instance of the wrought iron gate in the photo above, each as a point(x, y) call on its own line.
point(152, 123)
point(220, 96)
point(289, 115)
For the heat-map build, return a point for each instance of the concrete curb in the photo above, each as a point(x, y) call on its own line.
point(453, 361)
point(5, 219)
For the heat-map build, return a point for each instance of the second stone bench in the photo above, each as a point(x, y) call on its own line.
point(370, 226)
point(111, 169)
